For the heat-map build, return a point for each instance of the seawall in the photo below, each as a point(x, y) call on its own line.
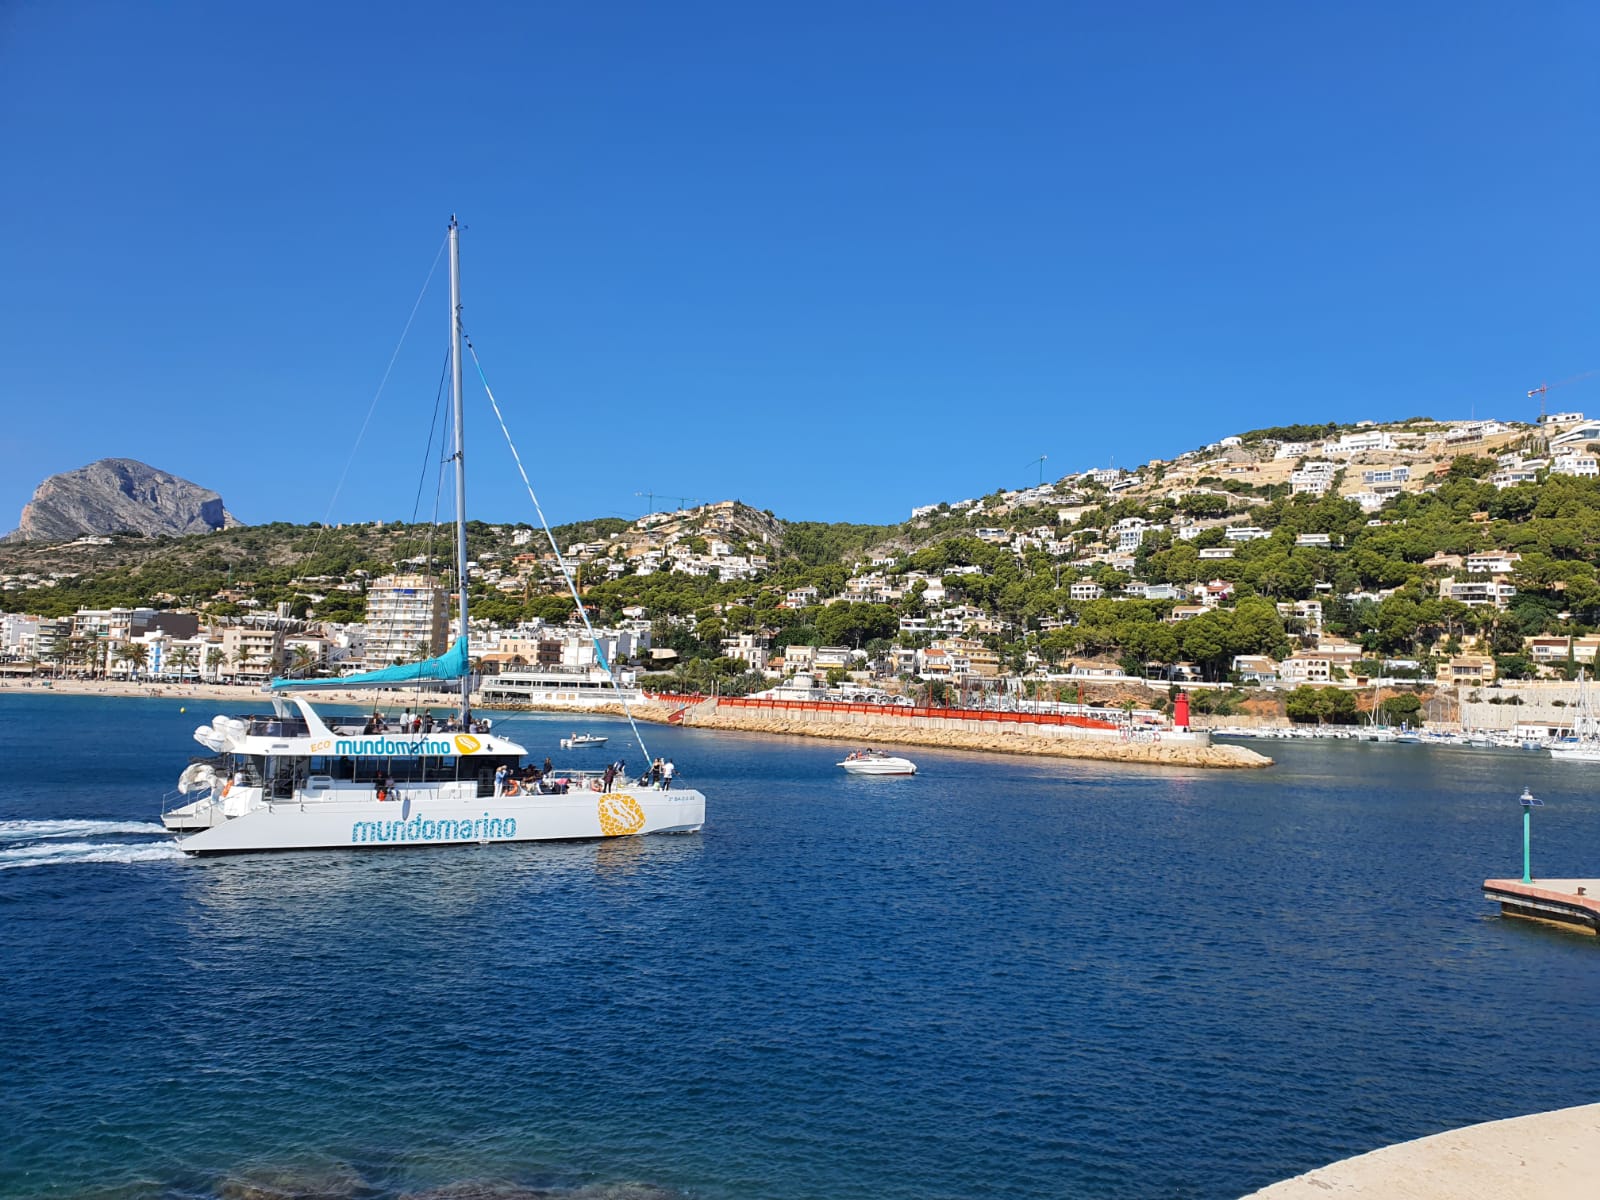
point(965, 733)
point(1545, 1156)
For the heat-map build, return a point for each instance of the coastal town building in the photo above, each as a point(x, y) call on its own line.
point(1477, 593)
point(1466, 669)
point(408, 619)
point(1553, 652)
point(251, 654)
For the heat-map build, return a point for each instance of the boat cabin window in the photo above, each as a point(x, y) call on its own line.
point(252, 768)
point(276, 726)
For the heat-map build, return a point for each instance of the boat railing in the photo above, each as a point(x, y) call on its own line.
point(175, 799)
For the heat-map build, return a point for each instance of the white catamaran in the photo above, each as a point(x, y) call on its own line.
point(291, 780)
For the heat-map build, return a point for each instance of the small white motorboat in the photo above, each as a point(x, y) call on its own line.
point(579, 740)
point(876, 762)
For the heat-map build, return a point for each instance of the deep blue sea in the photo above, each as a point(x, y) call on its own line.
point(1005, 977)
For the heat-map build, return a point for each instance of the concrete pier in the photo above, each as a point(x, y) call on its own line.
point(1572, 903)
point(1546, 1156)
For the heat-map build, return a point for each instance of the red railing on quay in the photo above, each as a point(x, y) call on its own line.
point(901, 710)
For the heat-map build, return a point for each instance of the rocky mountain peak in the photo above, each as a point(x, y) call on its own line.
point(117, 495)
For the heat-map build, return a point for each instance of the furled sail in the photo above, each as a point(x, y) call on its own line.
point(450, 665)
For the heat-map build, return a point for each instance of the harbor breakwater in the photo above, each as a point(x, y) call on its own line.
point(955, 729)
point(1042, 734)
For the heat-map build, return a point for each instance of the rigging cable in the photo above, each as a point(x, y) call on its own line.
point(376, 396)
point(382, 383)
point(566, 572)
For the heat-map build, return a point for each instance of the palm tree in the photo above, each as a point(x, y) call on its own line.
point(214, 659)
point(239, 658)
point(302, 660)
point(183, 659)
point(132, 655)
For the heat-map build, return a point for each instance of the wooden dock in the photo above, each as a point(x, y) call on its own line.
point(1571, 903)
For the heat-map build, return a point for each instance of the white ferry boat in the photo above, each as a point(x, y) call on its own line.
point(579, 741)
point(290, 780)
point(582, 688)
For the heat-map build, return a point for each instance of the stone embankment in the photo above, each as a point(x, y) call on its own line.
point(1546, 1156)
point(963, 734)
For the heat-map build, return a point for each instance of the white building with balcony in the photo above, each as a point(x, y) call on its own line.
point(408, 619)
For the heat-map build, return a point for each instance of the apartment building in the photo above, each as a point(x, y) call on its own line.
point(408, 618)
point(1477, 593)
point(1386, 475)
point(252, 655)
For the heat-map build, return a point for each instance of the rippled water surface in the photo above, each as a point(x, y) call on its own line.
point(1005, 977)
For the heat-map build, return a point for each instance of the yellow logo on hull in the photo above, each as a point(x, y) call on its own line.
point(620, 814)
point(466, 744)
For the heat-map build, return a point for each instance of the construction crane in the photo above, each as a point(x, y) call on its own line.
point(1038, 462)
point(683, 501)
point(1544, 388)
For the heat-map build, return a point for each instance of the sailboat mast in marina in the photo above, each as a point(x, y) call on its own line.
point(294, 780)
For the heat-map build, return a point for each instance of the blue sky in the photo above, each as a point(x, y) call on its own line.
point(833, 259)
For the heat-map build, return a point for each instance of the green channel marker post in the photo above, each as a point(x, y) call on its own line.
point(1528, 805)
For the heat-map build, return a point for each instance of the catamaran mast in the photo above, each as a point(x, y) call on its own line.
point(460, 456)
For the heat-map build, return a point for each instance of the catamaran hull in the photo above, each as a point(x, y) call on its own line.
point(375, 824)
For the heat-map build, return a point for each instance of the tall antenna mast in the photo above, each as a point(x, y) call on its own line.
point(460, 457)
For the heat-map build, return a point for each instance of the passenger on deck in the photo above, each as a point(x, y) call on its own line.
point(500, 779)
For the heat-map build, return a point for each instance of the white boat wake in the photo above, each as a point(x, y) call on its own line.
point(60, 854)
point(39, 844)
point(15, 831)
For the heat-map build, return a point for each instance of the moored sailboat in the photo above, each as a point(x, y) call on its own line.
point(1584, 744)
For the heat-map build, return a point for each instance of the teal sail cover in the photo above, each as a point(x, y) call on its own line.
point(450, 665)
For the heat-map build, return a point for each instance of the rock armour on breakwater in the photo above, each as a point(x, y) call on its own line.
point(999, 741)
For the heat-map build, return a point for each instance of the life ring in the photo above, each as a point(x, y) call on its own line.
point(594, 785)
point(512, 788)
